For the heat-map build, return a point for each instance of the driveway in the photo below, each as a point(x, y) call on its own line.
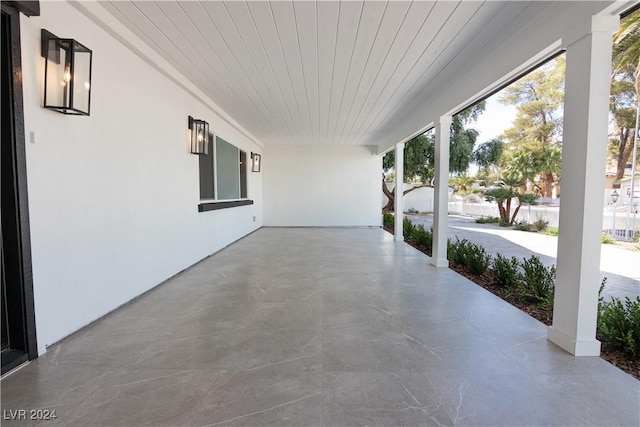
point(619, 265)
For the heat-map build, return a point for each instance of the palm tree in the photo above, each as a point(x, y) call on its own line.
point(462, 182)
point(506, 191)
point(523, 165)
point(551, 165)
point(626, 47)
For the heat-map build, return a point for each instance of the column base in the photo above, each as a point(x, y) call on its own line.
point(440, 263)
point(398, 238)
point(577, 348)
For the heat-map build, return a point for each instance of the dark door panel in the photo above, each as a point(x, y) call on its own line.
point(18, 321)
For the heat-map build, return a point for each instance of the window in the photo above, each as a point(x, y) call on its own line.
point(223, 172)
point(207, 175)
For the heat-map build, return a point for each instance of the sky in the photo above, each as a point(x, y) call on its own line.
point(495, 119)
point(492, 122)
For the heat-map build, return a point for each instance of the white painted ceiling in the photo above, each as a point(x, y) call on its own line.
point(321, 72)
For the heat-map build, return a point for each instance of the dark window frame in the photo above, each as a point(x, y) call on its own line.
point(208, 177)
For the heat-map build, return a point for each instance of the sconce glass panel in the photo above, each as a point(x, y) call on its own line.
point(199, 136)
point(67, 74)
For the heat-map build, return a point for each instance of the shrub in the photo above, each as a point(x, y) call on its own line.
point(388, 220)
point(476, 258)
point(423, 237)
point(636, 236)
point(456, 250)
point(504, 222)
point(473, 256)
point(619, 323)
point(487, 220)
point(607, 239)
point(407, 228)
point(507, 271)
point(522, 226)
point(552, 231)
point(451, 249)
point(538, 280)
point(541, 224)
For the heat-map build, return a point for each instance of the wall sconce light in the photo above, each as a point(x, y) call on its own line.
point(256, 160)
point(67, 75)
point(199, 136)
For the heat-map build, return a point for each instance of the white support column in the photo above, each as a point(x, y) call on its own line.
point(398, 208)
point(586, 109)
point(441, 193)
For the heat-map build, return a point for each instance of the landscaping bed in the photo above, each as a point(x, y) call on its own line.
point(537, 305)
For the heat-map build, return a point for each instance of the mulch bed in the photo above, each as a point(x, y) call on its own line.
point(545, 315)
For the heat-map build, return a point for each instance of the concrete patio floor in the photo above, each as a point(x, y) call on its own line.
point(319, 327)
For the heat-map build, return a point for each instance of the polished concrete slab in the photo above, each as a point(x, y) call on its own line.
point(311, 327)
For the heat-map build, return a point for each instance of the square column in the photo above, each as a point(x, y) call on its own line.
point(397, 207)
point(586, 110)
point(441, 193)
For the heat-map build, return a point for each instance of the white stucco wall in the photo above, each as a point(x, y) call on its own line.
point(420, 199)
point(113, 197)
point(322, 186)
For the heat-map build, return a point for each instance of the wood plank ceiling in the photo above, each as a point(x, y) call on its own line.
point(319, 72)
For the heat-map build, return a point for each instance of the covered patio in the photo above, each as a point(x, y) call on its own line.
point(319, 326)
point(155, 272)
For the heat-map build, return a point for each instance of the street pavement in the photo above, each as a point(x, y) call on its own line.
point(621, 266)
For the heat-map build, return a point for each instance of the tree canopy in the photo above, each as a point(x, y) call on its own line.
point(626, 47)
point(416, 165)
point(488, 154)
point(419, 153)
point(625, 90)
point(534, 139)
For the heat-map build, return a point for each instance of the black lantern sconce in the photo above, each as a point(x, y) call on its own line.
point(256, 160)
point(199, 136)
point(614, 197)
point(67, 75)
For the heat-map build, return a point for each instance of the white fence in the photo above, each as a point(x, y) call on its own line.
point(461, 206)
point(421, 200)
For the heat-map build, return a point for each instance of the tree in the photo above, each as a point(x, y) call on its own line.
point(526, 163)
point(626, 47)
point(417, 166)
point(462, 182)
point(463, 139)
point(551, 164)
point(488, 156)
point(419, 153)
point(503, 195)
point(537, 126)
point(523, 165)
point(623, 112)
point(625, 89)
